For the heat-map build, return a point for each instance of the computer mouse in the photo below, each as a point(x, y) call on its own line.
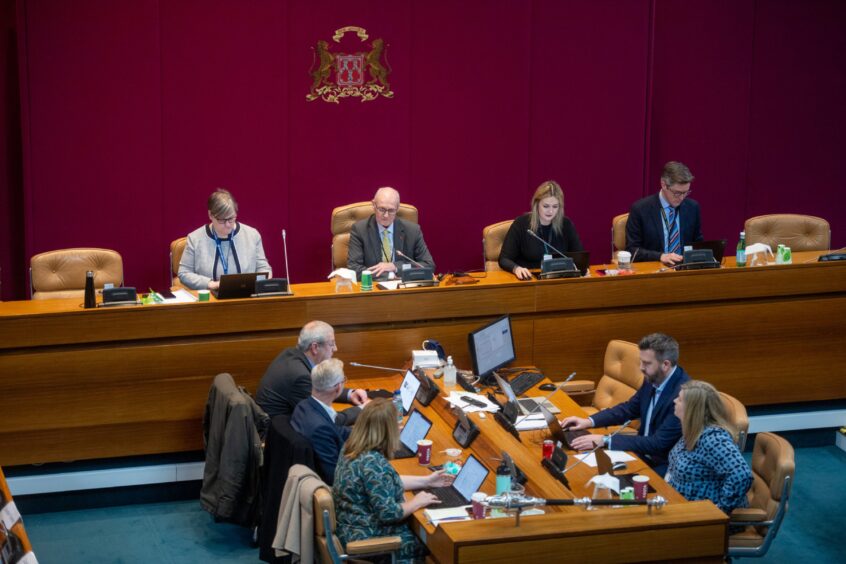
point(619, 466)
point(548, 387)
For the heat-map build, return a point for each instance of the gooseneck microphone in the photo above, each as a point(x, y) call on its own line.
point(409, 259)
point(285, 252)
point(536, 236)
point(359, 365)
point(540, 403)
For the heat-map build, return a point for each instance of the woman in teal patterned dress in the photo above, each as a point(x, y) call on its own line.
point(369, 500)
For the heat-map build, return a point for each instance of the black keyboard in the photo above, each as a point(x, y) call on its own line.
point(449, 497)
point(570, 435)
point(525, 381)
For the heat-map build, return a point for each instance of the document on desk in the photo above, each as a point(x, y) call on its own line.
point(388, 284)
point(454, 398)
point(436, 516)
point(181, 296)
point(615, 456)
point(530, 422)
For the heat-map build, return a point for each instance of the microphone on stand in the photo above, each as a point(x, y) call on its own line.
point(359, 365)
point(285, 252)
point(409, 259)
point(536, 236)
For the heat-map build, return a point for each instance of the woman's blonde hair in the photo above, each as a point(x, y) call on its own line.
point(221, 204)
point(703, 407)
point(548, 189)
point(375, 429)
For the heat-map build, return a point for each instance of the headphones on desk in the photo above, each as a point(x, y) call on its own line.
point(433, 345)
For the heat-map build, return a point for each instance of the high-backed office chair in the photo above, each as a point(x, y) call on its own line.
point(344, 217)
point(177, 247)
point(61, 274)
point(799, 232)
point(736, 412)
point(492, 239)
point(773, 469)
point(14, 542)
point(618, 234)
point(329, 546)
point(621, 379)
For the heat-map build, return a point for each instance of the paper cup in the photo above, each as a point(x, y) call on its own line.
point(203, 295)
point(641, 486)
point(477, 500)
point(624, 260)
point(366, 281)
point(424, 452)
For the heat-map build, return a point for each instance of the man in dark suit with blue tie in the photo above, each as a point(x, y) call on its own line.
point(659, 428)
point(660, 225)
point(314, 417)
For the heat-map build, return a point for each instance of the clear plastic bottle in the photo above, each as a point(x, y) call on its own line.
point(740, 257)
point(449, 372)
point(398, 405)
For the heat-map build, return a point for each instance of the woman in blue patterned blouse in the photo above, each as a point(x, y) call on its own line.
point(369, 500)
point(706, 463)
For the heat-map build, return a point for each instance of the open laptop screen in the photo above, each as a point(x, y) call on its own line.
point(470, 479)
point(415, 429)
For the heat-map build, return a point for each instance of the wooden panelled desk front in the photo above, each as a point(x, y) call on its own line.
point(682, 530)
point(77, 384)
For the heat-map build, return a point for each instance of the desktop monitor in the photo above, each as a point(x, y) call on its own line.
point(491, 346)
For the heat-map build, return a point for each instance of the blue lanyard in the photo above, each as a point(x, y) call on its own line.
point(224, 262)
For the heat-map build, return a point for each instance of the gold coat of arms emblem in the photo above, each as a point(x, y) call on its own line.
point(336, 75)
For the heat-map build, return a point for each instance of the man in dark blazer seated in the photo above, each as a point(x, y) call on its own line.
point(660, 225)
point(659, 428)
point(314, 417)
point(374, 241)
point(287, 381)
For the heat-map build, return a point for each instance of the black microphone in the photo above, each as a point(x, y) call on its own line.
point(597, 447)
point(546, 243)
point(409, 259)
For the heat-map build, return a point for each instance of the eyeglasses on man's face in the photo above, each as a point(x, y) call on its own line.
point(679, 193)
point(386, 211)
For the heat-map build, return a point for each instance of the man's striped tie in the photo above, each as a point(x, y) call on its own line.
point(674, 244)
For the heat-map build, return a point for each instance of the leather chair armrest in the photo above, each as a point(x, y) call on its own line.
point(578, 387)
point(748, 516)
point(376, 545)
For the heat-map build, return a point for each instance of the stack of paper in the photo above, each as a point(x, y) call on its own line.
point(454, 398)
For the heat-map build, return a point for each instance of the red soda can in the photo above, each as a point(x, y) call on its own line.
point(548, 447)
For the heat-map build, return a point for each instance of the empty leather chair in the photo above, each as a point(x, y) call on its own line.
point(343, 219)
point(177, 247)
point(329, 546)
point(61, 274)
point(620, 380)
point(773, 469)
point(799, 232)
point(618, 234)
point(492, 239)
point(736, 412)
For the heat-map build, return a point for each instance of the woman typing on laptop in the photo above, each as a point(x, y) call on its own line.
point(552, 230)
point(224, 246)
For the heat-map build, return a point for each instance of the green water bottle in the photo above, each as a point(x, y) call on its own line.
point(740, 259)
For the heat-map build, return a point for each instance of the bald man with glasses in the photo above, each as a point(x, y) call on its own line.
point(374, 241)
point(660, 225)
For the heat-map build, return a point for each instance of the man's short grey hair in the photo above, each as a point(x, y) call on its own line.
point(664, 347)
point(387, 192)
point(327, 374)
point(314, 332)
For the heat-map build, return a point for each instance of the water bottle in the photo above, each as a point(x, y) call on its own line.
point(449, 372)
point(740, 259)
point(90, 300)
point(503, 479)
point(397, 401)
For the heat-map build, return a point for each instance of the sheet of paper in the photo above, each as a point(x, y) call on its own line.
point(614, 455)
point(448, 514)
point(530, 422)
point(388, 284)
point(182, 296)
point(408, 389)
point(608, 481)
point(454, 398)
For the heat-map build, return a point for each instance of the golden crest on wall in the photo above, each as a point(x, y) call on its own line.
point(336, 75)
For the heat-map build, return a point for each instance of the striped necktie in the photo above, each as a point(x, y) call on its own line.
point(673, 241)
point(386, 246)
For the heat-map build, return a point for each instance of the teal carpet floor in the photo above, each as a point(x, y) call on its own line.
point(182, 533)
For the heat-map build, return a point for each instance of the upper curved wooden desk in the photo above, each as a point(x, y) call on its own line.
point(78, 384)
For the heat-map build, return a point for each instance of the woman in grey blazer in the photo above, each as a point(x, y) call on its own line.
point(224, 246)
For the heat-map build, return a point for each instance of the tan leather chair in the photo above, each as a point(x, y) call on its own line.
point(61, 274)
point(492, 238)
point(773, 469)
point(329, 547)
point(621, 379)
point(618, 234)
point(343, 219)
point(737, 416)
point(177, 247)
point(799, 232)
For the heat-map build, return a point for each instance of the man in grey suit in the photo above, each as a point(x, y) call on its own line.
point(375, 241)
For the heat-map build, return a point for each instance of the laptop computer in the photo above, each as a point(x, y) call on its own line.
point(581, 259)
point(469, 480)
point(416, 428)
point(525, 405)
point(557, 431)
point(241, 285)
point(717, 246)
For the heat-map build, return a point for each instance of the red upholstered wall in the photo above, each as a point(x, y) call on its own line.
point(133, 112)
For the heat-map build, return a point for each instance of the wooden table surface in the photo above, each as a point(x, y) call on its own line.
point(78, 384)
point(681, 529)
